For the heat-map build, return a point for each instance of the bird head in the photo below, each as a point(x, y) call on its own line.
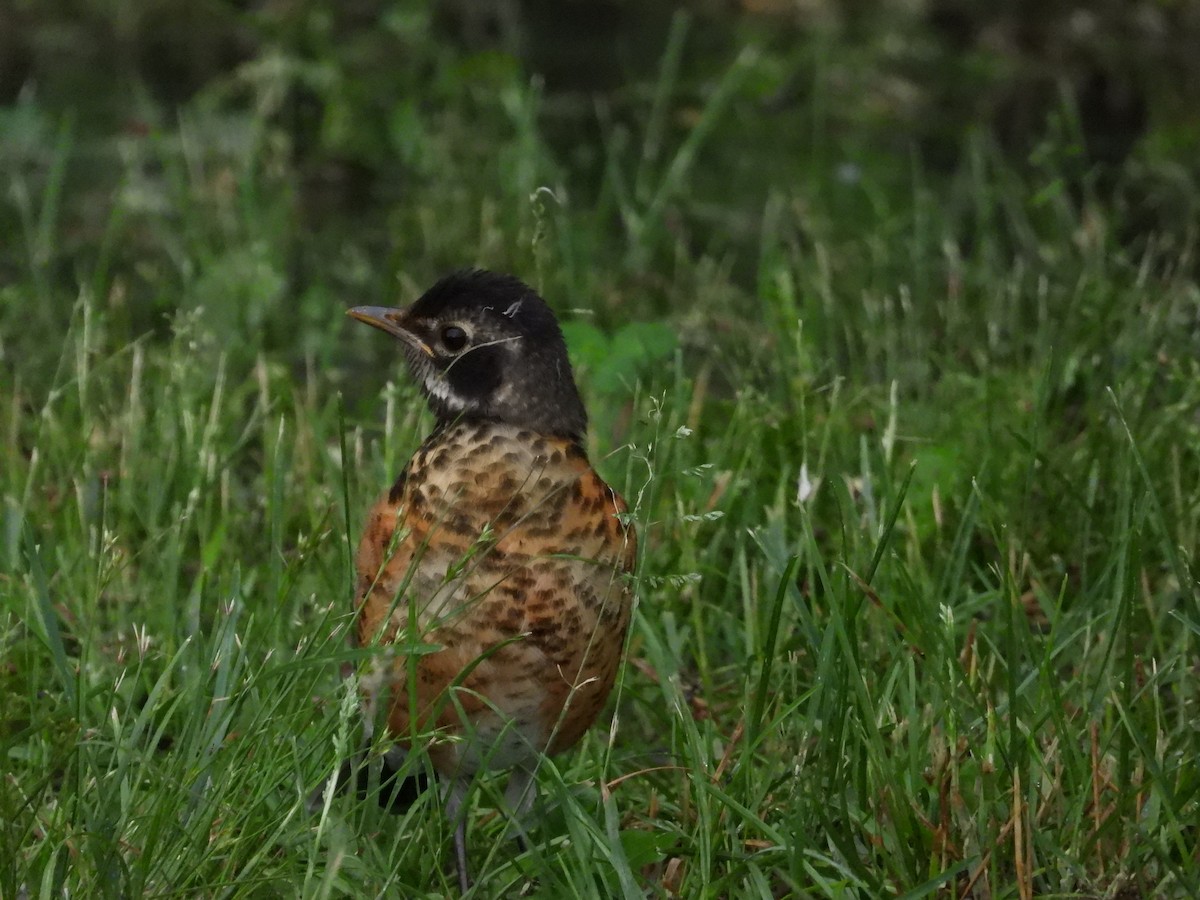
point(485, 346)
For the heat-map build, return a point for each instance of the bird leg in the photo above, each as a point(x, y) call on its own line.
point(456, 795)
point(519, 796)
point(460, 856)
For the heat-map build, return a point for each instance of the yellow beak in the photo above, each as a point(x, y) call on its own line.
point(393, 321)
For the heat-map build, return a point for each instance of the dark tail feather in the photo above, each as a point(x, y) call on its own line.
point(395, 790)
point(398, 789)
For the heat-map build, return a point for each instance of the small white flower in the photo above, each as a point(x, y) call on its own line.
point(806, 487)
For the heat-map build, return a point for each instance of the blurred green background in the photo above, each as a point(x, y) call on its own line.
point(887, 318)
point(272, 162)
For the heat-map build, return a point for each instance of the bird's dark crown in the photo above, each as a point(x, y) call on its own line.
point(485, 345)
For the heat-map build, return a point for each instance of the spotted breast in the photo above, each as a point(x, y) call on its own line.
point(506, 551)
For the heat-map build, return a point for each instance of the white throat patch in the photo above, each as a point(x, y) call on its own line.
point(440, 389)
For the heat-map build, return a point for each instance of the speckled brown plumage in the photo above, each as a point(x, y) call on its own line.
point(505, 548)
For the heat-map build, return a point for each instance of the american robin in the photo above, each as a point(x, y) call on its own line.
point(499, 551)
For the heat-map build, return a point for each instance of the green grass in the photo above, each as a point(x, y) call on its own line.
point(915, 461)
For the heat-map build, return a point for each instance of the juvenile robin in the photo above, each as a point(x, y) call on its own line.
point(494, 571)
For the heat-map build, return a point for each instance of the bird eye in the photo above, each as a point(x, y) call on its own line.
point(453, 338)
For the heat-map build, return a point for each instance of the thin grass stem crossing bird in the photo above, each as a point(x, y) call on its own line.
point(498, 552)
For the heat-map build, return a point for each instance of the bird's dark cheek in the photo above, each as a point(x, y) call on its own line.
point(475, 375)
